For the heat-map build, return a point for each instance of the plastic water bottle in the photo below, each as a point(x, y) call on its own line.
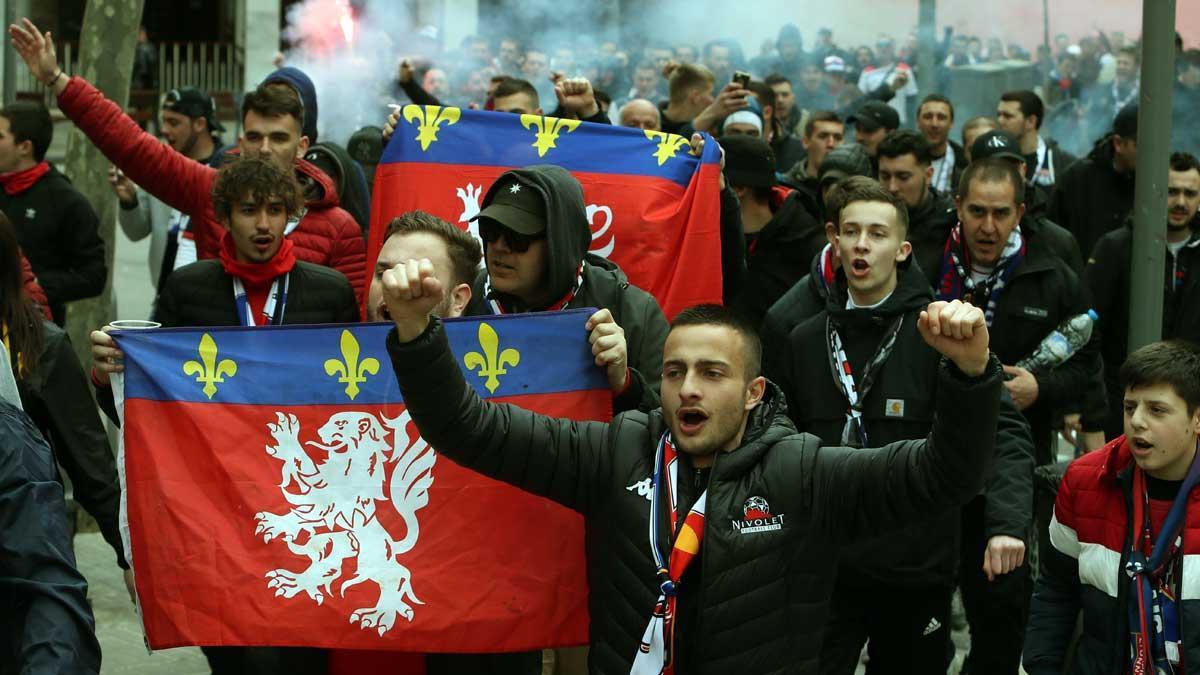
point(1062, 343)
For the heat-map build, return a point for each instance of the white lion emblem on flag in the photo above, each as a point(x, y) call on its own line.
point(333, 501)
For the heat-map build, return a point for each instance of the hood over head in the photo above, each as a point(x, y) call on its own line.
point(568, 234)
point(308, 96)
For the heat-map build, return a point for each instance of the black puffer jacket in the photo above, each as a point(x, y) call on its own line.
point(1090, 198)
point(899, 406)
point(761, 598)
point(59, 232)
point(56, 396)
point(604, 286)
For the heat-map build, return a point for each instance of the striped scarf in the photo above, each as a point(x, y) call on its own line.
point(956, 282)
point(656, 654)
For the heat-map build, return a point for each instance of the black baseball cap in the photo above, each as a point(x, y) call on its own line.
point(996, 143)
point(516, 205)
point(194, 103)
point(749, 161)
point(874, 115)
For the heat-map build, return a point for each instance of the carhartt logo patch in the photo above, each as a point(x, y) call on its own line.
point(894, 407)
point(1035, 312)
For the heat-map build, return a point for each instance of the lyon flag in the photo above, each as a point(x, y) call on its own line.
point(654, 209)
point(277, 493)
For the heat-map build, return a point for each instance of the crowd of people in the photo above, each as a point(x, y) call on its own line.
point(915, 309)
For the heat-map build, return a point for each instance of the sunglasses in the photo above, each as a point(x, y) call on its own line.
point(490, 231)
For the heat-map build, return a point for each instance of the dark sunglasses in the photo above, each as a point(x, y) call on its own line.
point(490, 231)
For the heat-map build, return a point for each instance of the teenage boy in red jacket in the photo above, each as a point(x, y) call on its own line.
point(1126, 534)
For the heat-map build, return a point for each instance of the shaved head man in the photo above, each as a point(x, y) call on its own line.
point(640, 113)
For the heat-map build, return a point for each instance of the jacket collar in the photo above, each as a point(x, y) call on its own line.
point(1117, 459)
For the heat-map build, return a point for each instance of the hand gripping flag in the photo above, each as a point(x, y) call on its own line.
point(654, 209)
point(275, 491)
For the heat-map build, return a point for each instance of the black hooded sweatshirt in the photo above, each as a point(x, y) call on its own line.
point(604, 285)
point(899, 406)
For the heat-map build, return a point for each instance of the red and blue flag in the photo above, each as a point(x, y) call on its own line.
point(276, 492)
point(654, 209)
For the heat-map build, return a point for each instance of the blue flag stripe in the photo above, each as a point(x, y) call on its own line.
point(487, 138)
point(512, 355)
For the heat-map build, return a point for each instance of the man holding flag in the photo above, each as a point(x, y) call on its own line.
point(749, 589)
point(535, 236)
point(256, 281)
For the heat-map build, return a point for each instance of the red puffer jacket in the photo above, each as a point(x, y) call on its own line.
point(327, 234)
point(33, 289)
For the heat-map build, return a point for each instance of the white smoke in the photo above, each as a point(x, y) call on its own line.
point(355, 78)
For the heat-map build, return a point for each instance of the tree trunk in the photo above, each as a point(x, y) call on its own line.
point(106, 46)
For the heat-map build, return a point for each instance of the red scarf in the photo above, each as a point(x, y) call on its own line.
point(257, 277)
point(16, 182)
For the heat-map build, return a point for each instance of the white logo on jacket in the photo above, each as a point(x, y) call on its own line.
point(644, 488)
point(757, 517)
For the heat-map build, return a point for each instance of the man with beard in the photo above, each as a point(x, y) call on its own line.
point(190, 127)
point(721, 444)
point(256, 281)
point(785, 102)
point(1108, 278)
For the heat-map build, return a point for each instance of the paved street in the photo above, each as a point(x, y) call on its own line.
point(117, 625)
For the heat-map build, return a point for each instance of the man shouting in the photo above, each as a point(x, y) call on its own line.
point(672, 590)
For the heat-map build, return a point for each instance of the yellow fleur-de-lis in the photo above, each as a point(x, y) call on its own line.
point(208, 370)
point(491, 363)
point(353, 372)
point(429, 119)
point(548, 129)
point(668, 145)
